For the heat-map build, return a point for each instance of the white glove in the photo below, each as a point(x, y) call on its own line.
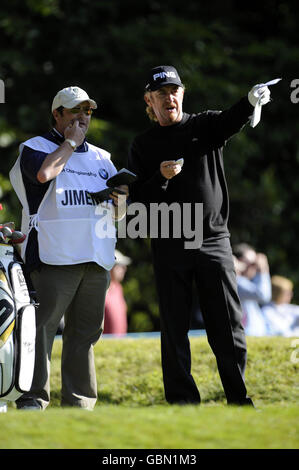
point(259, 94)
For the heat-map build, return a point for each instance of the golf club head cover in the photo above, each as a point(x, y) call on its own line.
point(10, 235)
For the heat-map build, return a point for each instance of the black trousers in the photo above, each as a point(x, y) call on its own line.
point(212, 270)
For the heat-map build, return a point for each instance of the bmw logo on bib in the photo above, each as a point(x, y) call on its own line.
point(103, 173)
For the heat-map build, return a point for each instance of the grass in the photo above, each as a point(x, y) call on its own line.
point(131, 412)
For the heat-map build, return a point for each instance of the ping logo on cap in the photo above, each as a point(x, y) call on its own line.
point(164, 75)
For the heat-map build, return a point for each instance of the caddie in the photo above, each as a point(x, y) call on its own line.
point(67, 257)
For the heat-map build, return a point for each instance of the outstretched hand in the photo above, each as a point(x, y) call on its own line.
point(259, 94)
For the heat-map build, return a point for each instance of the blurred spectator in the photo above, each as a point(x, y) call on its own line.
point(3, 407)
point(115, 305)
point(282, 316)
point(254, 287)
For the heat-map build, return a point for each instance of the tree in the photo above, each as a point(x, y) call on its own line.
point(107, 47)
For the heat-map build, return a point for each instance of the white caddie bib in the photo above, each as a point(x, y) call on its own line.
point(71, 227)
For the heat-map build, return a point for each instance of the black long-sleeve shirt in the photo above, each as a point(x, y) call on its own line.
point(199, 139)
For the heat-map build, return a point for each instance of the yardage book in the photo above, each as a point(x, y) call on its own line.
point(123, 176)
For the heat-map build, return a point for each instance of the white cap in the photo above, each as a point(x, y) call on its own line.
point(122, 259)
point(70, 97)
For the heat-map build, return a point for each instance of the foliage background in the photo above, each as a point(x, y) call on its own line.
point(131, 411)
point(220, 50)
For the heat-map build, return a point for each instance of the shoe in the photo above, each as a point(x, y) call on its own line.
point(244, 402)
point(28, 407)
point(29, 404)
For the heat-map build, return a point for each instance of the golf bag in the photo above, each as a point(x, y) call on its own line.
point(17, 328)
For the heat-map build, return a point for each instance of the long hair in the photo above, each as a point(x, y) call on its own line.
point(149, 110)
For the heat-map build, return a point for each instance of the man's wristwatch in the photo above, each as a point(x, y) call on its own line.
point(72, 143)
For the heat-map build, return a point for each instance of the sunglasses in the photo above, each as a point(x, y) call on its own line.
point(86, 110)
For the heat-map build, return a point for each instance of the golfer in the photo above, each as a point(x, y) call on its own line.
point(198, 139)
point(66, 256)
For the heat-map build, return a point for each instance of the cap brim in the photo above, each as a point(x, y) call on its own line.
point(74, 103)
point(123, 261)
point(161, 84)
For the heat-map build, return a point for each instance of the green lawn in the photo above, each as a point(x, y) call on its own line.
point(131, 412)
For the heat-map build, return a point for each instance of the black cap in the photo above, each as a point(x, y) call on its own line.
point(161, 76)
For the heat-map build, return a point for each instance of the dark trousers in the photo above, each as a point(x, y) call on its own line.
point(213, 272)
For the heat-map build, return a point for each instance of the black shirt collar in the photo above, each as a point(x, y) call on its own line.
point(183, 121)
